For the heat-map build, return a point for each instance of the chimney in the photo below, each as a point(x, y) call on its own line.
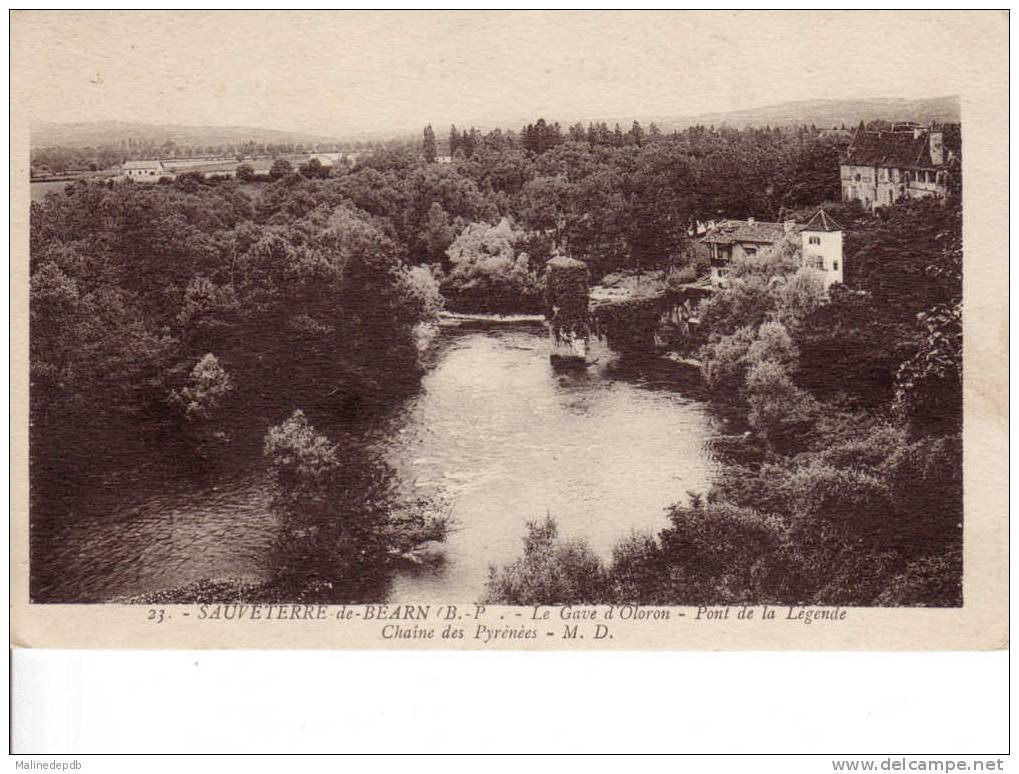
point(750, 221)
point(937, 148)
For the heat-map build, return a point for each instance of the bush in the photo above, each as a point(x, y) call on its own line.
point(342, 529)
point(637, 571)
point(779, 410)
point(715, 554)
point(780, 259)
point(929, 582)
point(301, 464)
point(773, 344)
point(551, 572)
point(724, 361)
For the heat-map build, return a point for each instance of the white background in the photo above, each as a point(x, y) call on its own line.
point(908, 703)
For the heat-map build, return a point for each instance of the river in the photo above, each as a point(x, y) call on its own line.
point(493, 430)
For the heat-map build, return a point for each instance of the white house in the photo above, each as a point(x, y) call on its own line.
point(145, 171)
point(821, 241)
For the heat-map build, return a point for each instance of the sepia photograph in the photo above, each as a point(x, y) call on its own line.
point(409, 309)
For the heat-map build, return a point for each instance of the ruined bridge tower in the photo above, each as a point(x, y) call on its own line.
point(569, 322)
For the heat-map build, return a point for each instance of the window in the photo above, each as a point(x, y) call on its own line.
point(889, 197)
point(835, 265)
point(814, 240)
point(750, 252)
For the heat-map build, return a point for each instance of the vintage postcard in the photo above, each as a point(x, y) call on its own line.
point(509, 330)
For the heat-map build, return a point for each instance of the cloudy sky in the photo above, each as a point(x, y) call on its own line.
point(335, 73)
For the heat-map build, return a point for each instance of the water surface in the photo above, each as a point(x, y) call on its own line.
point(493, 431)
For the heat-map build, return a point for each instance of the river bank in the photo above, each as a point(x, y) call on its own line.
point(494, 433)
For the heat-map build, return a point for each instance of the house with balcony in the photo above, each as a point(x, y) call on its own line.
point(905, 161)
point(820, 241)
point(729, 240)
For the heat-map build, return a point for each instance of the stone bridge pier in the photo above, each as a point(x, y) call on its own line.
point(568, 315)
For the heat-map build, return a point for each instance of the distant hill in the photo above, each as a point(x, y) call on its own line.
point(820, 112)
point(115, 132)
point(825, 113)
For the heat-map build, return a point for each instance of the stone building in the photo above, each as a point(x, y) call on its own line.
point(904, 161)
point(730, 240)
point(820, 242)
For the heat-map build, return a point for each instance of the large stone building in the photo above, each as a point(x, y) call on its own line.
point(820, 244)
point(904, 161)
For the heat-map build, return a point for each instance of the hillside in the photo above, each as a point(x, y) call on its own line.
point(826, 112)
point(115, 132)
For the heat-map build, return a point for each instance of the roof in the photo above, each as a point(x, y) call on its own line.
point(155, 164)
point(223, 166)
point(822, 221)
point(890, 149)
point(730, 231)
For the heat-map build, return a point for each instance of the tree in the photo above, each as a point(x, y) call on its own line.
point(280, 168)
point(928, 386)
point(437, 234)
point(313, 169)
point(491, 271)
point(428, 144)
point(245, 173)
point(207, 386)
point(637, 132)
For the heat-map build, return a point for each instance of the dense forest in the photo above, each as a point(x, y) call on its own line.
point(176, 313)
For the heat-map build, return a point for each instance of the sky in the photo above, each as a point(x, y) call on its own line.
point(337, 73)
